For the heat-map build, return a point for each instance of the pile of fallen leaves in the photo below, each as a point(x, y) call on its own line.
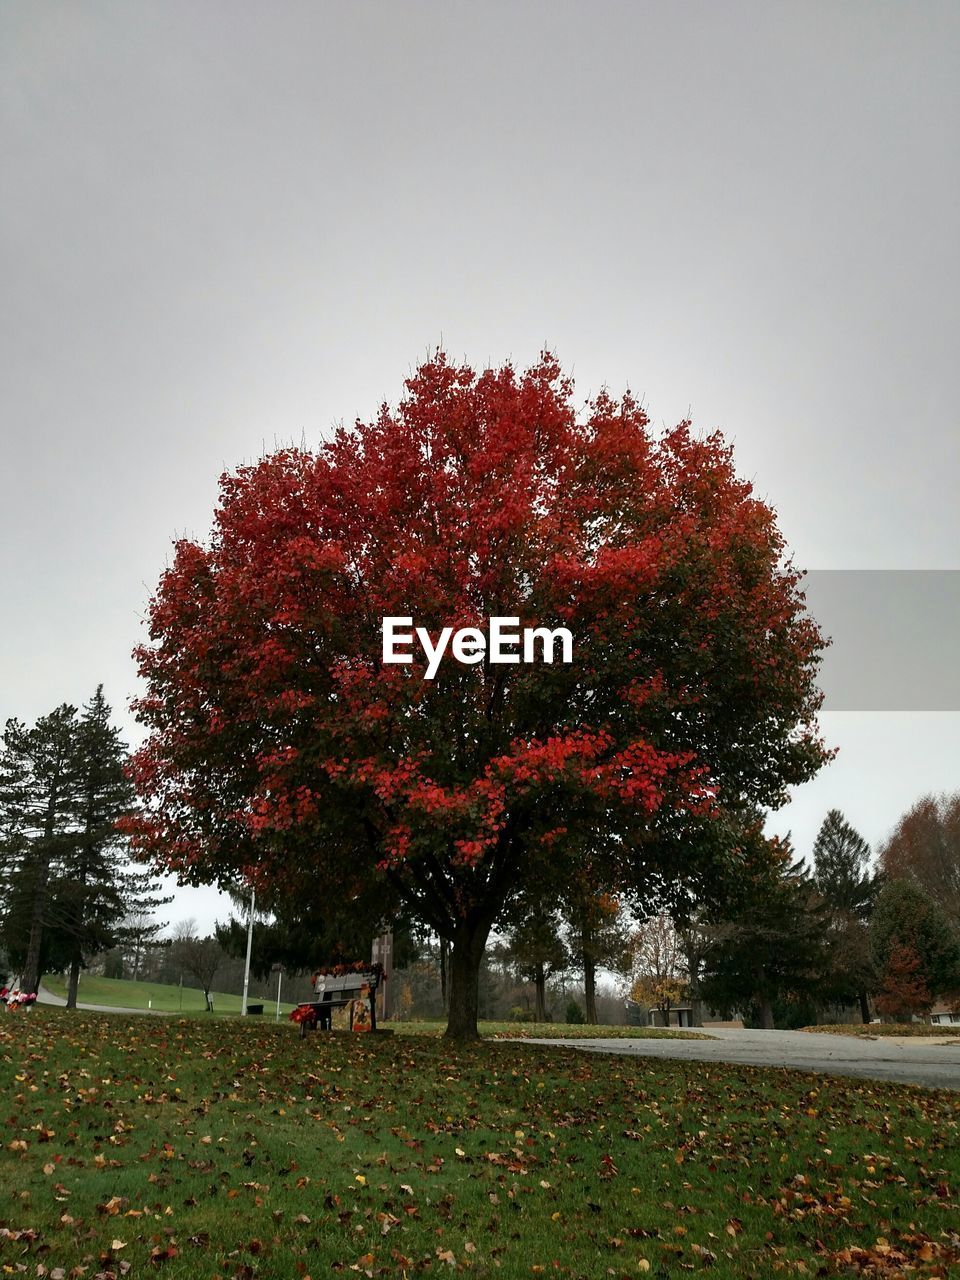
point(912, 1252)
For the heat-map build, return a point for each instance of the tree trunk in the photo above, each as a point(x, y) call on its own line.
point(30, 978)
point(74, 981)
point(693, 953)
point(864, 1007)
point(590, 990)
point(444, 986)
point(466, 956)
point(589, 973)
point(766, 1015)
point(540, 982)
point(76, 949)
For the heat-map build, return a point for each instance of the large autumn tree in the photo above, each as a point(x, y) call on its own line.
point(283, 750)
point(925, 849)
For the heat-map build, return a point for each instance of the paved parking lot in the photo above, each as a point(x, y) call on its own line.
point(933, 1062)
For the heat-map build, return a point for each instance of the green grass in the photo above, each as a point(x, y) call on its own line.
point(578, 1031)
point(885, 1029)
point(124, 994)
point(197, 1149)
point(556, 1031)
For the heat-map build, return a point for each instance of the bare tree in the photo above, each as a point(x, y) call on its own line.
point(659, 966)
point(200, 957)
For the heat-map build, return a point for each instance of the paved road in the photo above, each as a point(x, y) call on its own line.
point(910, 1060)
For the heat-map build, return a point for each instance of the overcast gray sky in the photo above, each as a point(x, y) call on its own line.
point(229, 225)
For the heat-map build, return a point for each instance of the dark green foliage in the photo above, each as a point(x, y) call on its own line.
point(907, 917)
point(536, 948)
point(67, 888)
point(772, 945)
point(575, 1015)
point(140, 931)
point(88, 901)
point(39, 797)
point(308, 931)
point(788, 1014)
point(842, 867)
point(849, 888)
point(597, 933)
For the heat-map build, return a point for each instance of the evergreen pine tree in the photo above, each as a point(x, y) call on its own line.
point(66, 889)
point(139, 931)
point(96, 891)
point(843, 877)
point(38, 802)
point(770, 947)
point(841, 859)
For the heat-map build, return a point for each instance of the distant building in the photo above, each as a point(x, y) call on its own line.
point(680, 1016)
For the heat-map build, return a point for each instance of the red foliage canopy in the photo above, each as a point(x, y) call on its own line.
point(280, 745)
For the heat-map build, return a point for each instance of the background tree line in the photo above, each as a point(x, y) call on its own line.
point(844, 938)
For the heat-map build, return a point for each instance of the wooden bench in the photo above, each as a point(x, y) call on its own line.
point(335, 992)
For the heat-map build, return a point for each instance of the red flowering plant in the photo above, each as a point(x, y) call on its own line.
point(279, 739)
point(20, 999)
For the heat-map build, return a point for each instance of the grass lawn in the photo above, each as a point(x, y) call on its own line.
point(194, 1149)
point(123, 994)
point(555, 1031)
point(886, 1029)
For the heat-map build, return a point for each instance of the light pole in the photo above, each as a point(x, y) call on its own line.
point(246, 967)
point(279, 969)
point(383, 954)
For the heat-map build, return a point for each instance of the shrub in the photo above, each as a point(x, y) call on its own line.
point(575, 1015)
